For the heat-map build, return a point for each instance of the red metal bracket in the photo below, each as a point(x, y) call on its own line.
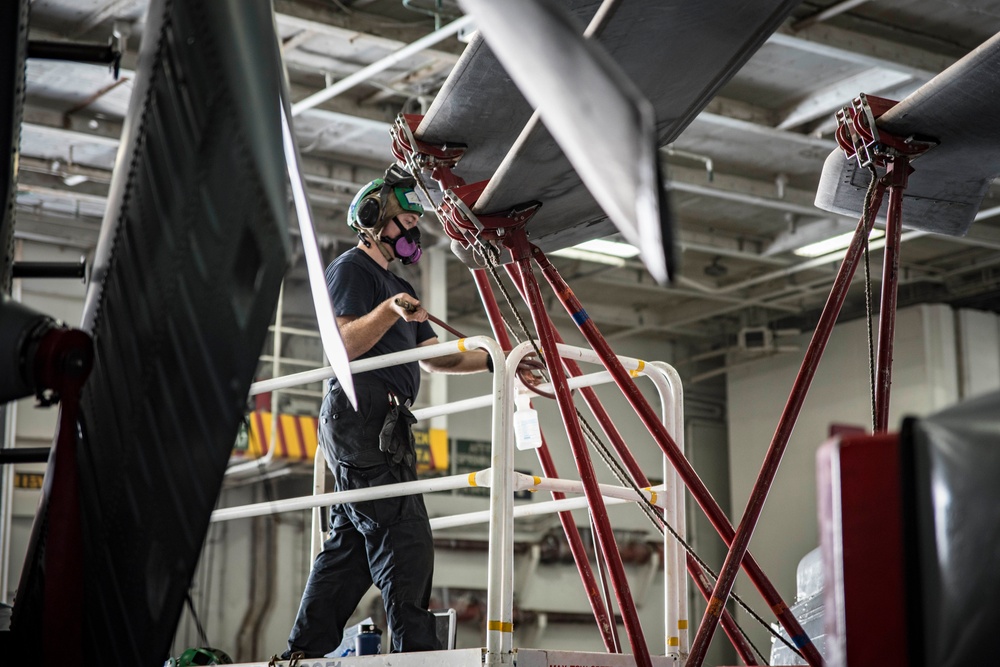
point(459, 198)
point(860, 137)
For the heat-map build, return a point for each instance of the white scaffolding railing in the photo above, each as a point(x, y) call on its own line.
point(502, 480)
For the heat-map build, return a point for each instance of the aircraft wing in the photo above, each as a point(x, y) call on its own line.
point(678, 55)
point(959, 109)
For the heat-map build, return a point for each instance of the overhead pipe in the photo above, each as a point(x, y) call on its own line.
point(366, 73)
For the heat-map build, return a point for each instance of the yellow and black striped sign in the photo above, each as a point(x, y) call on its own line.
point(296, 441)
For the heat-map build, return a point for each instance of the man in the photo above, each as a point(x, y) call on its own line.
point(385, 542)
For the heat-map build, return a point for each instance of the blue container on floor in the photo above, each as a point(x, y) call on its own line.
point(368, 641)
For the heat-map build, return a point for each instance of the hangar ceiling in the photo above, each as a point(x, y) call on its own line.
point(743, 175)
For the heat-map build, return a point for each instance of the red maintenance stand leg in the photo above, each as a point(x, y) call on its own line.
point(897, 172)
point(741, 541)
point(604, 533)
point(688, 475)
point(739, 642)
point(579, 551)
point(861, 139)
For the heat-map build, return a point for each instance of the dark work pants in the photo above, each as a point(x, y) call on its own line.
point(386, 542)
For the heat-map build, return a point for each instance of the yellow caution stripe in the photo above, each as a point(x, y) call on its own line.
point(461, 345)
point(682, 624)
point(673, 641)
point(500, 626)
point(652, 495)
point(472, 479)
point(638, 371)
point(296, 436)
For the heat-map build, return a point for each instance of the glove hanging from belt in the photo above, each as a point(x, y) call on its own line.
point(396, 438)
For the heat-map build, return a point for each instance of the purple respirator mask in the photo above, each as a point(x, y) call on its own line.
point(406, 245)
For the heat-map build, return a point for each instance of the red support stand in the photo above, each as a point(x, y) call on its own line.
point(604, 535)
point(897, 172)
point(576, 547)
point(786, 423)
point(463, 226)
point(739, 642)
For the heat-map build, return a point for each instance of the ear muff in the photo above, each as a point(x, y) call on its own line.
point(369, 211)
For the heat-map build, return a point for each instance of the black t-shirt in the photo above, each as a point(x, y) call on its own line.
point(357, 284)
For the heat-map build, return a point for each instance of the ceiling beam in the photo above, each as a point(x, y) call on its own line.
point(862, 49)
point(827, 100)
point(396, 56)
point(764, 132)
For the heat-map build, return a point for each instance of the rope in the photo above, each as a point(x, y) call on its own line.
point(202, 637)
point(865, 216)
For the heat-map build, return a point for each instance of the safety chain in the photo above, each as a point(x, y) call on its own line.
point(490, 255)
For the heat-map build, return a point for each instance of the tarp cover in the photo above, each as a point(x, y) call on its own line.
point(957, 533)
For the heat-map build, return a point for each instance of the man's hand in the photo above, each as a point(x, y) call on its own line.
point(408, 307)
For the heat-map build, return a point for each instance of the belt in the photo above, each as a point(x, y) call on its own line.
point(393, 396)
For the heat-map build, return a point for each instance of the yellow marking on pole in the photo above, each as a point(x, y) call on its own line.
point(682, 624)
point(673, 641)
point(500, 626)
point(638, 370)
point(538, 480)
point(652, 495)
point(472, 479)
point(461, 345)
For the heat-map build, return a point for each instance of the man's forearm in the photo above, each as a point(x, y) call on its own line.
point(473, 361)
point(361, 334)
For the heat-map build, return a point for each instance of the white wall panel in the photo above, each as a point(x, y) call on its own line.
point(924, 380)
point(979, 352)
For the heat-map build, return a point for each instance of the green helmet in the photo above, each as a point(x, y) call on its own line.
point(392, 194)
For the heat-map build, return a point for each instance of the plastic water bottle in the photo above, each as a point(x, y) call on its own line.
point(527, 432)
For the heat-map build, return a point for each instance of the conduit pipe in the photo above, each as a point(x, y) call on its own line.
point(366, 73)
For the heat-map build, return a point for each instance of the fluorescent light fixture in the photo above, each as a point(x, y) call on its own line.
point(601, 251)
point(589, 256)
point(74, 179)
point(832, 244)
point(605, 247)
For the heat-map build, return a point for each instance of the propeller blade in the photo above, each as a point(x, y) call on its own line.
point(333, 343)
point(595, 113)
